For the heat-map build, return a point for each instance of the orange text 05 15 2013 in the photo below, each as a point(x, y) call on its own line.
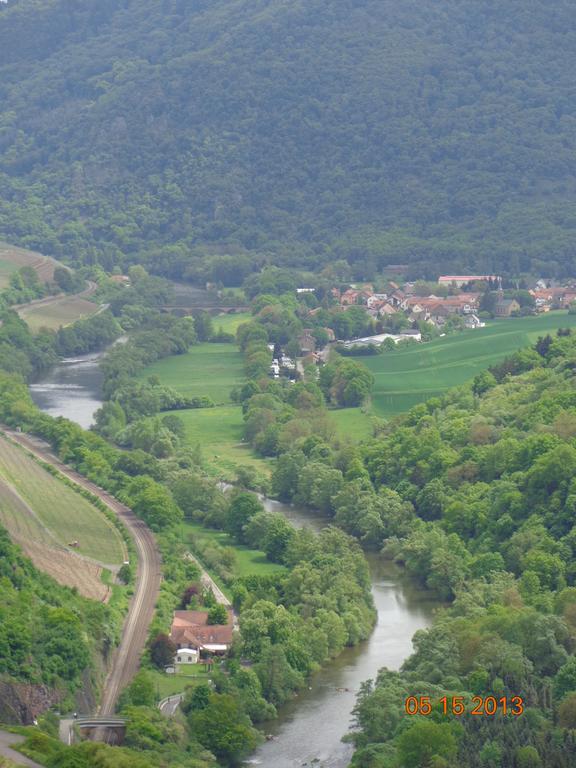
point(486, 706)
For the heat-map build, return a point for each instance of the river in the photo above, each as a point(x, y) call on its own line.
point(71, 389)
point(309, 729)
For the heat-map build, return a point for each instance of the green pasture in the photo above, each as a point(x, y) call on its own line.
point(352, 423)
point(47, 507)
point(213, 370)
point(218, 433)
point(409, 376)
point(229, 323)
point(206, 369)
point(249, 562)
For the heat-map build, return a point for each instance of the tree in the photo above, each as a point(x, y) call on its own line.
point(190, 594)
point(203, 325)
point(217, 614)
point(141, 691)
point(483, 382)
point(346, 382)
point(162, 651)
point(243, 507)
point(567, 712)
point(153, 503)
point(527, 757)
point(565, 679)
point(223, 729)
point(418, 745)
point(63, 279)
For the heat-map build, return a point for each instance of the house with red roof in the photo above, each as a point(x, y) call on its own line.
point(190, 631)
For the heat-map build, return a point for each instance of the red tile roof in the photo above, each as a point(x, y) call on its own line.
point(190, 628)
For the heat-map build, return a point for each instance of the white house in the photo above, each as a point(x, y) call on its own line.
point(187, 656)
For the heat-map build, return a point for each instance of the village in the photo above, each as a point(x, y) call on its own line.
point(410, 313)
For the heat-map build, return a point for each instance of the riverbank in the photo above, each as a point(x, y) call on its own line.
point(311, 725)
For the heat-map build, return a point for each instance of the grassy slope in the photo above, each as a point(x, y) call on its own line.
point(60, 509)
point(13, 258)
point(57, 313)
point(410, 376)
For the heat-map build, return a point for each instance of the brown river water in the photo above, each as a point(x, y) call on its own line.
point(309, 729)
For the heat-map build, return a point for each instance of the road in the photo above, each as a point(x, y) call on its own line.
point(126, 659)
point(169, 706)
point(10, 739)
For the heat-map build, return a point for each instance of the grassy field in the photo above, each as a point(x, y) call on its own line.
point(229, 323)
point(352, 423)
point(206, 369)
point(13, 258)
point(213, 370)
point(54, 512)
point(218, 432)
point(57, 313)
point(410, 376)
point(249, 562)
point(168, 685)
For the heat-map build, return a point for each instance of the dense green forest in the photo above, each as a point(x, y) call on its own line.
point(486, 477)
point(48, 634)
point(441, 135)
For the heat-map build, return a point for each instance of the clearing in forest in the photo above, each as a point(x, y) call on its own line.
point(408, 376)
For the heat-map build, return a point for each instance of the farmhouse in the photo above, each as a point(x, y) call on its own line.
point(187, 656)
point(191, 632)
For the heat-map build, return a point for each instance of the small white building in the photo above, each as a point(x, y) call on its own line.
point(187, 656)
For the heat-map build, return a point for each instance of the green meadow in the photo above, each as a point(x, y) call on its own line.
point(409, 376)
point(218, 432)
point(213, 370)
point(206, 369)
point(229, 323)
point(249, 562)
point(352, 423)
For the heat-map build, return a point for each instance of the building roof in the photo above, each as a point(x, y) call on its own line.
point(466, 278)
point(190, 628)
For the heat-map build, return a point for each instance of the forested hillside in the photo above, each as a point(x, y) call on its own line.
point(437, 134)
point(489, 477)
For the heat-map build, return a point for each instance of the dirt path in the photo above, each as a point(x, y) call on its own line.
point(126, 658)
point(209, 583)
point(9, 739)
